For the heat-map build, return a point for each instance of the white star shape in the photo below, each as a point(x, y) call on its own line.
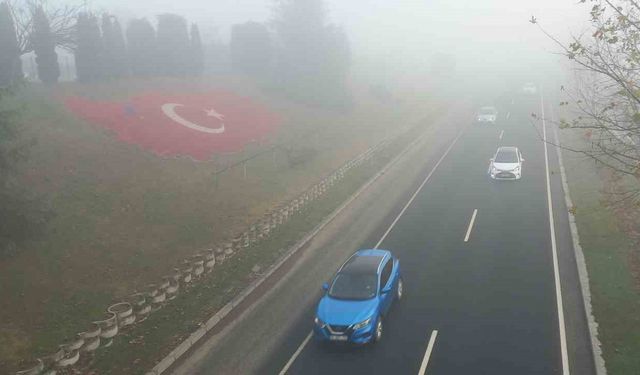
point(213, 113)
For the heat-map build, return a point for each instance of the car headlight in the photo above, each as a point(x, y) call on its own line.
point(362, 324)
point(494, 170)
point(318, 322)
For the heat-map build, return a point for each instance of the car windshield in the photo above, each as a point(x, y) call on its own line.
point(354, 286)
point(487, 111)
point(506, 156)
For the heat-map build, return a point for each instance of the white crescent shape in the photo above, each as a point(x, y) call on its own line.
point(169, 109)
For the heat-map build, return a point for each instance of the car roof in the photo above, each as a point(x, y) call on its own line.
point(365, 261)
point(507, 149)
point(488, 107)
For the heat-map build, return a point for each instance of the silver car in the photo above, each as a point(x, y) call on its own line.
point(487, 115)
point(506, 164)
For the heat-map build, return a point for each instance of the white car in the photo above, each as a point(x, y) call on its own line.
point(487, 115)
point(529, 88)
point(506, 164)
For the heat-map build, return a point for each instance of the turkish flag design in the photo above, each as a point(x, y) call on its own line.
point(197, 125)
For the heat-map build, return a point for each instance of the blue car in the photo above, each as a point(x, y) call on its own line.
point(353, 307)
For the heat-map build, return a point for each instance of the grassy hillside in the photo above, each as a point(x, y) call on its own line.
point(123, 217)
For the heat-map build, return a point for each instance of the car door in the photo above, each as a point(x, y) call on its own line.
point(386, 283)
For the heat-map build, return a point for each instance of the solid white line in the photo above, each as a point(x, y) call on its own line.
point(556, 271)
point(511, 100)
point(417, 191)
point(501, 134)
point(427, 354)
point(473, 219)
point(306, 340)
point(508, 115)
point(296, 354)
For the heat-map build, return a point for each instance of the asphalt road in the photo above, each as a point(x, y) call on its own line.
point(487, 305)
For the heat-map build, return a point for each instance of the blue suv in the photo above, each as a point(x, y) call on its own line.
point(359, 297)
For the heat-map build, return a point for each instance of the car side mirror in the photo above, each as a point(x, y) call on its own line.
point(386, 289)
point(521, 159)
point(491, 160)
point(325, 286)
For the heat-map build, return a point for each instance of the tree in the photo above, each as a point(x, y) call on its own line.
point(607, 96)
point(314, 58)
point(173, 45)
point(44, 47)
point(88, 52)
point(251, 50)
point(10, 63)
point(62, 19)
point(141, 40)
point(197, 53)
point(114, 53)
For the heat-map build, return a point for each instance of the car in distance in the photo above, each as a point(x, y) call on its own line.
point(357, 300)
point(506, 164)
point(529, 88)
point(487, 115)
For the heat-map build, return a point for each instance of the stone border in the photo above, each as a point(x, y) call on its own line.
point(190, 341)
point(596, 346)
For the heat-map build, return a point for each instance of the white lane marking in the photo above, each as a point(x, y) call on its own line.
point(306, 340)
point(512, 100)
point(501, 134)
point(427, 354)
point(508, 115)
point(473, 219)
point(554, 250)
point(296, 354)
point(417, 191)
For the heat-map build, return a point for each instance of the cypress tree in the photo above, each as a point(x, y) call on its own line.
point(108, 53)
point(120, 49)
point(197, 53)
point(45, 48)
point(10, 63)
point(173, 45)
point(141, 39)
point(88, 53)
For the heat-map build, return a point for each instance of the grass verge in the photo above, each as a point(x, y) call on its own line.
point(608, 251)
point(138, 349)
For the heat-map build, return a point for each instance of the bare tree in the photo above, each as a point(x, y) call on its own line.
point(62, 19)
point(606, 94)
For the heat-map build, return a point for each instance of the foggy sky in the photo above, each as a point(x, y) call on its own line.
point(403, 34)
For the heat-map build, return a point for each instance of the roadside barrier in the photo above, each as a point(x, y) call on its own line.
point(136, 308)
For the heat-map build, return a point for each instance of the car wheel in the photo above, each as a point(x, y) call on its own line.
point(377, 335)
point(400, 289)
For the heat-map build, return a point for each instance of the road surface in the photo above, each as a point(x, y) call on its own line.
point(483, 261)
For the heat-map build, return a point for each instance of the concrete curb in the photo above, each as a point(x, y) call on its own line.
point(582, 269)
point(190, 341)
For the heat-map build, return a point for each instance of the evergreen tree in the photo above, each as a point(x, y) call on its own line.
point(120, 50)
point(197, 53)
point(44, 47)
point(141, 39)
point(313, 58)
point(114, 48)
point(88, 53)
point(108, 52)
point(173, 45)
point(10, 63)
point(251, 50)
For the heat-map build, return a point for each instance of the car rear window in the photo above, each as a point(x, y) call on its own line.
point(487, 111)
point(354, 286)
point(507, 156)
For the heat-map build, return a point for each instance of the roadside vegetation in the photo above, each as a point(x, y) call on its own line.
point(610, 247)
